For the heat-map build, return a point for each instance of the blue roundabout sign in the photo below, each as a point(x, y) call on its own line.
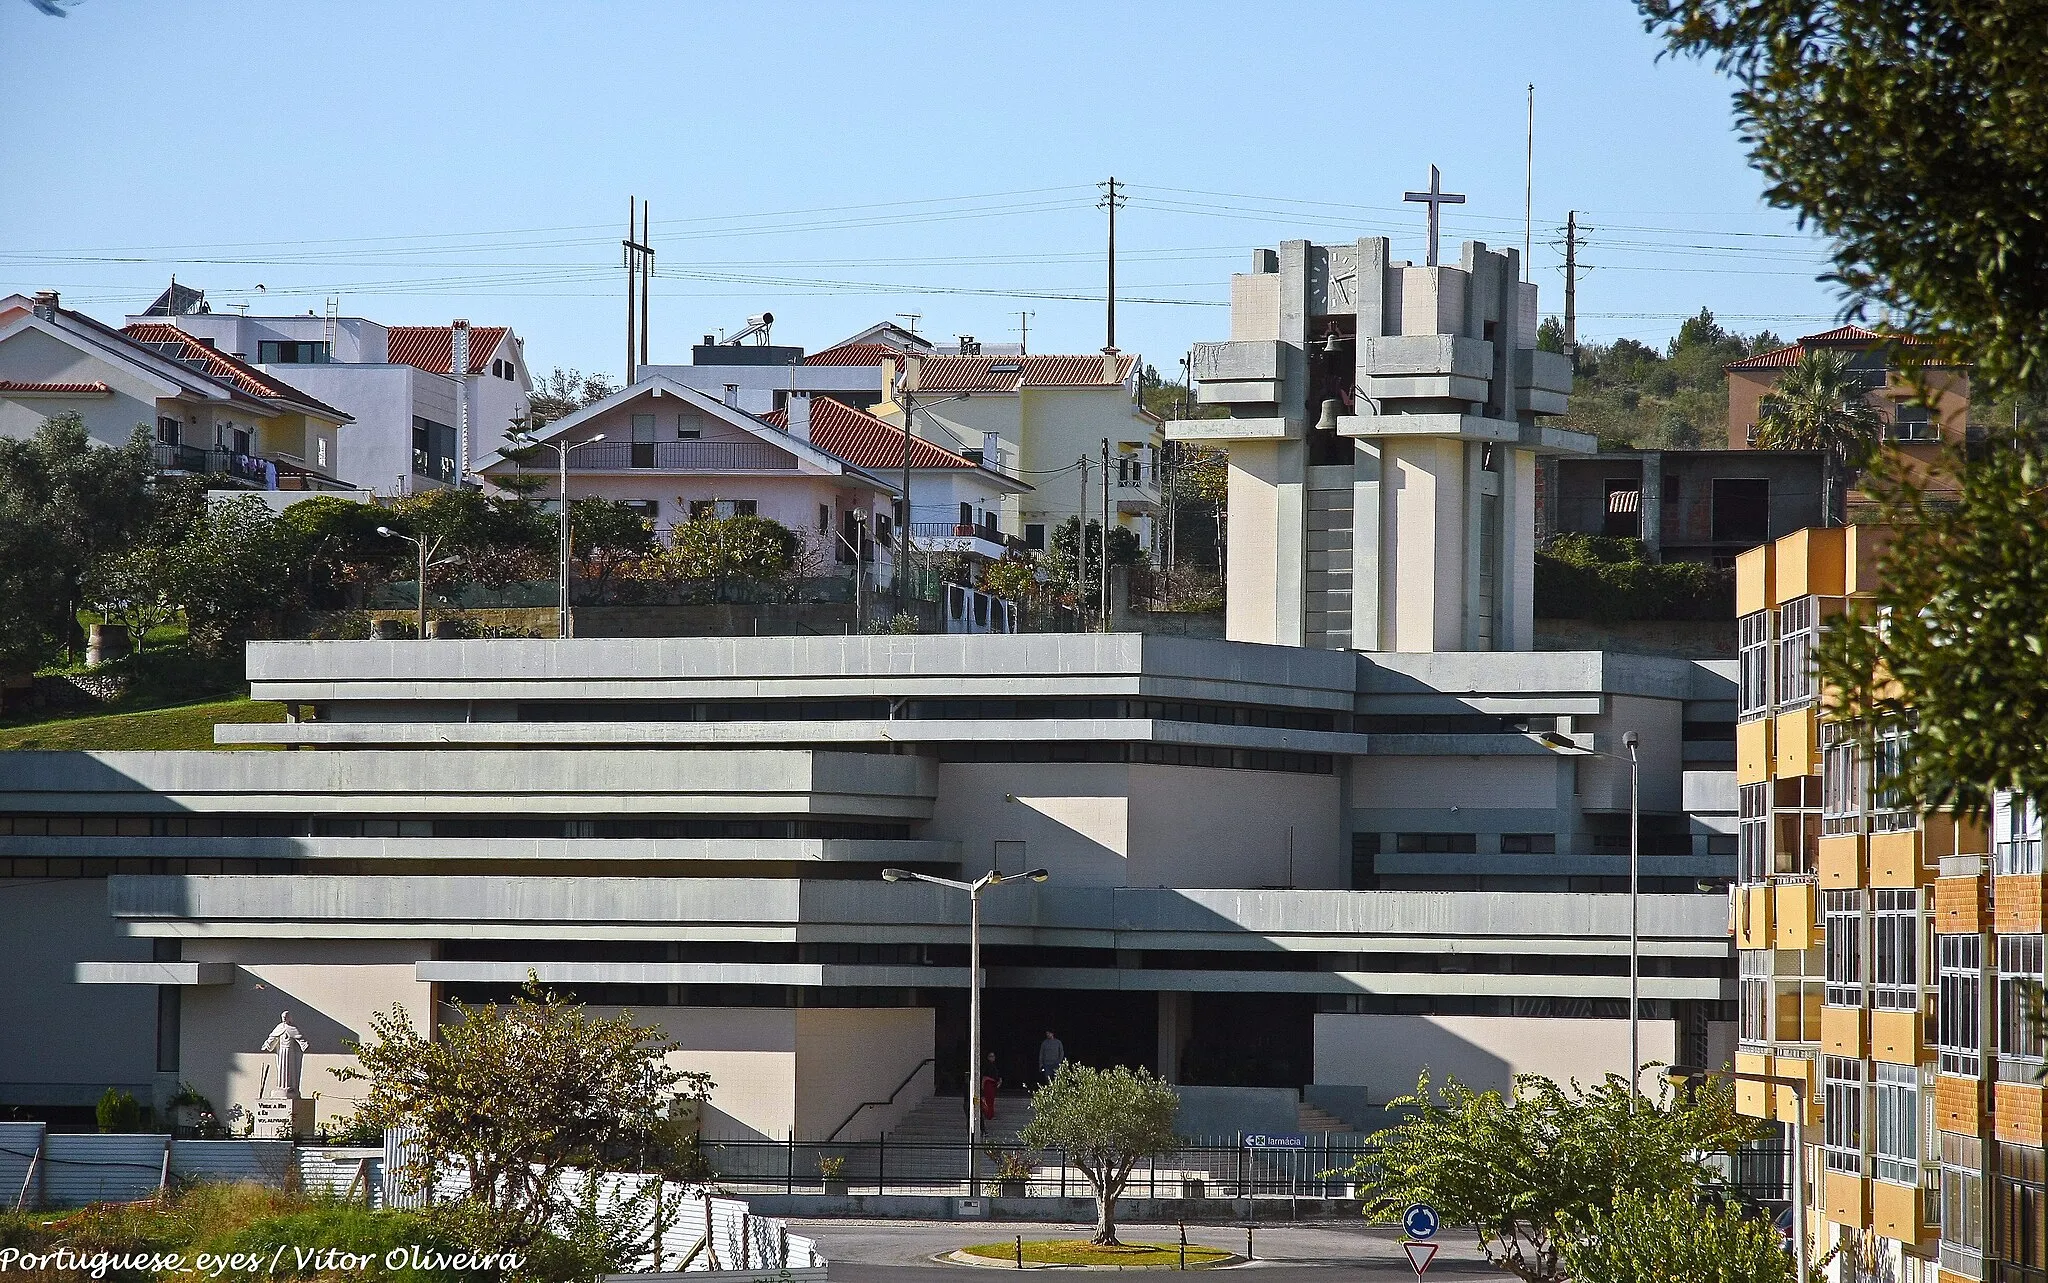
point(1420, 1220)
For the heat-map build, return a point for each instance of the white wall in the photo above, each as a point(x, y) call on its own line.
point(34, 357)
point(1194, 826)
point(1385, 1052)
point(62, 1042)
point(376, 449)
point(1073, 817)
point(848, 1056)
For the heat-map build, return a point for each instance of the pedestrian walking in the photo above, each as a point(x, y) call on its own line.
point(1052, 1053)
point(989, 1083)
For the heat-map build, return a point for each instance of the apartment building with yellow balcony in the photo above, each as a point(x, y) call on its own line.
point(1890, 963)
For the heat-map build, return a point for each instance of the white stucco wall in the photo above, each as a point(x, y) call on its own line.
point(848, 1056)
point(34, 357)
point(1385, 1052)
point(1194, 826)
point(1073, 817)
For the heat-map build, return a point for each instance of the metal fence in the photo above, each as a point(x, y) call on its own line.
point(1309, 1166)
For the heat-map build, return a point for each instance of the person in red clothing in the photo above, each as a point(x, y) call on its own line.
point(989, 1083)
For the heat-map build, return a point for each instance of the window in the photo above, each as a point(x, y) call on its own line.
point(320, 452)
point(2022, 1217)
point(722, 508)
point(1962, 1204)
point(824, 516)
point(2019, 989)
point(1798, 626)
point(1528, 843)
point(1844, 948)
point(1753, 834)
point(1365, 849)
point(1034, 537)
point(1741, 512)
point(2016, 833)
point(1889, 810)
point(1842, 1103)
point(433, 449)
point(1895, 1115)
point(1912, 423)
point(1624, 519)
point(649, 510)
point(1895, 950)
point(168, 430)
point(1436, 843)
point(1961, 1008)
point(1754, 995)
point(268, 353)
point(885, 526)
point(1841, 782)
point(1754, 675)
point(168, 1010)
point(643, 441)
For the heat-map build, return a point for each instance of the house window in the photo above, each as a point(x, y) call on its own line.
point(287, 353)
point(885, 526)
point(1842, 1097)
point(1624, 518)
point(2019, 989)
point(1844, 948)
point(1912, 423)
point(649, 510)
point(168, 430)
point(1365, 851)
point(1754, 995)
point(1797, 631)
point(643, 441)
point(721, 508)
point(2016, 831)
point(1741, 511)
point(433, 449)
point(1754, 674)
point(1895, 950)
point(2022, 1217)
point(1889, 810)
point(1753, 834)
point(824, 516)
point(168, 1011)
point(1895, 1106)
point(1034, 537)
point(1962, 1204)
point(967, 515)
point(1841, 784)
point(320, 451)
point(1528, 843)
point(1961, 1031)
point(1436, 843)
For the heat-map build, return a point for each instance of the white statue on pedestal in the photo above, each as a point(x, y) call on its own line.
point(290, 1046)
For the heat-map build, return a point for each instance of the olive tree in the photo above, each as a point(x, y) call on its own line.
point(1104, 1121)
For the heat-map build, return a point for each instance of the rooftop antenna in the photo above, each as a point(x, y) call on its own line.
point(1024, 332)
point(912, 317)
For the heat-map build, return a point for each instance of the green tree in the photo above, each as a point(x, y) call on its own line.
point(605, 535)
point(335, 548)
point(1914, 133)
point(730, 553)
point(1818, 405)
point(1550, 335)
point(1525, 1168)
point(1954, 643)
point(65, 503)
point(1104, 1121)
point(1124, 550)
point(492, 540)
point(1671, 1236)
point(513, 1094)
point(231, 574)
point(118, 1112)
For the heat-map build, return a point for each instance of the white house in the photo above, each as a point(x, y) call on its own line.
point(428, 400)
point(210, 414)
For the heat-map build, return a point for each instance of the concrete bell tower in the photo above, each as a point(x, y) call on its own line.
point(1383, 440)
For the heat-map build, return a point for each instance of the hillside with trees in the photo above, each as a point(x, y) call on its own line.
point(1633, 396)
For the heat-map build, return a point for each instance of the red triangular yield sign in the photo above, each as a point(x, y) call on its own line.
point(1419, 1256)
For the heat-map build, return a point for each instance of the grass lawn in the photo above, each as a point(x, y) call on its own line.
point(1078, 1251)
point(181, 726)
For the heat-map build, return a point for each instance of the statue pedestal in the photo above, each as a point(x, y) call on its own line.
point(284, 1119)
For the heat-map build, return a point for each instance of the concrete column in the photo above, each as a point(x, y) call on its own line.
point(1473, 542)
point(1366, 521)
point(1652, 506)
point(1518, 556)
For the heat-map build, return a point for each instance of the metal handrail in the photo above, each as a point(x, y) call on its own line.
point(844, 1123)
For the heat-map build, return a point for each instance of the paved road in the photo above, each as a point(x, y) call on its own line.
point(870, 1251)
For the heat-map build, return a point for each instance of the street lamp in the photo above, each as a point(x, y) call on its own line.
point(427, 546)
point(565, 624)
point(1551, 739)
point(973, 890)
point(860, 521)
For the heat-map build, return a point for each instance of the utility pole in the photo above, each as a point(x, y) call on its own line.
point(1081, 551)
point(646, 271)
point(1113, 199)
point(1529, 184)
point(632, 273)
point(1024, 332)
point(1103, 622)
point(1571, 286)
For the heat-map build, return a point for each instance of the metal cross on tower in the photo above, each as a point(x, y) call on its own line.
point(1436, 197)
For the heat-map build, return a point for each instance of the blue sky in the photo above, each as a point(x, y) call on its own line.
point(842, 163)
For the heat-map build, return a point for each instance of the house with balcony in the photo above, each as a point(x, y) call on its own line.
point(428, 401)
point(675, 454)
point(211, 414)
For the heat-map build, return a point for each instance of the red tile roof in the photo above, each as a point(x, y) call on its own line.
point(1009, 373)
point(865, 441)
point(174, 343)
point(852, 354)
point(55, 389)
point(432, 347)
point(1784, 358)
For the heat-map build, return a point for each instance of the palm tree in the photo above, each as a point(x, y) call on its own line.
point(1818, 405)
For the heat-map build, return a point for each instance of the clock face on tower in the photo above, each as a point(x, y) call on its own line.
point(1344, 292)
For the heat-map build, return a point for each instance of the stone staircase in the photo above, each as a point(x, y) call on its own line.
point(942, 1120)
point(1310, 1120)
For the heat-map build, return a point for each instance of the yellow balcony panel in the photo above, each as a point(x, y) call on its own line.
point(1899, 1213)
point(1752, 1099)
point(2016, 904)
point(1795, 743)
point(1841, 861)
point(1753, 918)
point(1861, 546)
point(1753, 581)
point(1809, 563)
point(1792, 916)
point(1842, 1031)
point(1895, 859)
point(1847, 1199)
point(1897, 1037)
point(1786, 1070)
point(1753, 751)
point(1959, 1105)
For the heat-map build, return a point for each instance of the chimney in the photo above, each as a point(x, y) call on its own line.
point(732, 395)
point(1109, 363)
point(206, 342)
point(458, 367)
point(991, 450)
point(799, 407)
point(46, 303)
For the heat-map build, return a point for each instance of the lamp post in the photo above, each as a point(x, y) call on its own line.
point(565, 623)
point(860, 521)
point(973, 890)
point(1629, 739)
point(428, 546)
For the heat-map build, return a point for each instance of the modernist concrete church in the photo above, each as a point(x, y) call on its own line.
point(1302, 863)
point(1385, 425)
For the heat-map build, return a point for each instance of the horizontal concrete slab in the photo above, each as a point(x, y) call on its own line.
point(154, 973)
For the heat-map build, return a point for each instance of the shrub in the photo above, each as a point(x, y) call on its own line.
point(1607, 579)
point(118, 1112)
